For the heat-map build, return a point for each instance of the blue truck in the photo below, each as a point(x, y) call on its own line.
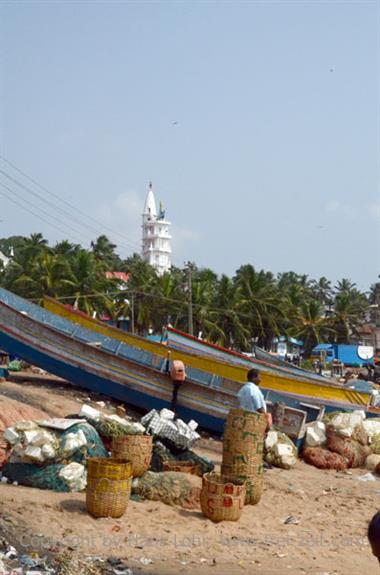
point(349, 354)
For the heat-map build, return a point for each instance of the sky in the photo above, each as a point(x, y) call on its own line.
point(257, 122)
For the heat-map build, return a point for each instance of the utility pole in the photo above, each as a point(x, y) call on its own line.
point(133, 312)
point(189, 267)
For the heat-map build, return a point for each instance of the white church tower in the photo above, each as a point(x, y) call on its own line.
point(156, 247)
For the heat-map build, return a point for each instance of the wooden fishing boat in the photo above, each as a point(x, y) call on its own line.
point(130, 373)
point(81, 359)
point(180, 340)
point(144, 384)
point(291, 387)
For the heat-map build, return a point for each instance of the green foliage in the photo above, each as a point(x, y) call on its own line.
point(254, 306)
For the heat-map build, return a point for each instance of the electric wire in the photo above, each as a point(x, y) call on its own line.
point(33, 213)
point(133, 291)
point(132, 244)
point(41, 210)
point(77, 210)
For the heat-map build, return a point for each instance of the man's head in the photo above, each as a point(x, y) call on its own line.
point(254, 376)
point(374, 535)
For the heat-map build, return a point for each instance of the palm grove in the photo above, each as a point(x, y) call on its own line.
point(252, 306)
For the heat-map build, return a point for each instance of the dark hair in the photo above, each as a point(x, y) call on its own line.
point(374, 528)
point(252, 374)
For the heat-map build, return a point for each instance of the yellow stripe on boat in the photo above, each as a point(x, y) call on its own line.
point(277, 382)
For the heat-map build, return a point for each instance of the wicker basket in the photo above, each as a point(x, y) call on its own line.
point(243, 447)
point(241, 465)
point(134, 448)
point(254, 484)
point(180, 466)
point(108, 486)
point(222, 498)
point(245, 425)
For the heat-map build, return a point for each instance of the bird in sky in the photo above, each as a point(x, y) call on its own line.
point(175, 123)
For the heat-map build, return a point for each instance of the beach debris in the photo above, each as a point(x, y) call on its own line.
point(15, 365)
point(367, 477)
point(89, 413)
point(121, 411)
point(345, 423)
point(315, 435)
point(291, 520)
point(145, 561)
point(164, 426)
point(75, 476)
point(113, 425)
point(280, 451)
point(73, 442)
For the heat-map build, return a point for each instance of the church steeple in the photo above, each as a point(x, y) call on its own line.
point(156, 248)
point(150, 203)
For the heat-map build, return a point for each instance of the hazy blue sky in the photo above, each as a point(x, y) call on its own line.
point(258, 123)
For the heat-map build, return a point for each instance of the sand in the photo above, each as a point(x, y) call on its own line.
point(308, 521)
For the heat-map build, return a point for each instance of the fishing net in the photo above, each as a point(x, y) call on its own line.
point(354, 452)
point(205, 465)
point(324, 459)
point(169, 487)
point(162, 453)
point(47, 476)
point(32, 475)
point(94, 447)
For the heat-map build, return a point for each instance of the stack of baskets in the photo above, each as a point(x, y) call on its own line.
point(243, 447)
point(108, 486)
point(134, 448)
point(222, 498)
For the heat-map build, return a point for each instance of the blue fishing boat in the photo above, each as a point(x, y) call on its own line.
point(130, 373)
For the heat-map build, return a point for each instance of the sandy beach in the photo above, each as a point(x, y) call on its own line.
point(308, 520)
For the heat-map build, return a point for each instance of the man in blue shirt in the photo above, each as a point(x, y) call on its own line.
point(250, 396)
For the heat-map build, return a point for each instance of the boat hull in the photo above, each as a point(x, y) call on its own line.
point(223, 374)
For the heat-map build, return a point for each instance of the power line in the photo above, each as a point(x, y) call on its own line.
point(131, 244)
point(77, 210)
point(183, 303)
point(40, 210)
point(34, 214)
point(57, 208)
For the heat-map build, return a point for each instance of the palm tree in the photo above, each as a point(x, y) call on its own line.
point(104, 251)
point(228, 329)
point(350, 310)
point(322, 290)
point(258, 298)
point(86, 282)
point(314, 326)
point(66, 248)
point(50, 272)
point(140, 288)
